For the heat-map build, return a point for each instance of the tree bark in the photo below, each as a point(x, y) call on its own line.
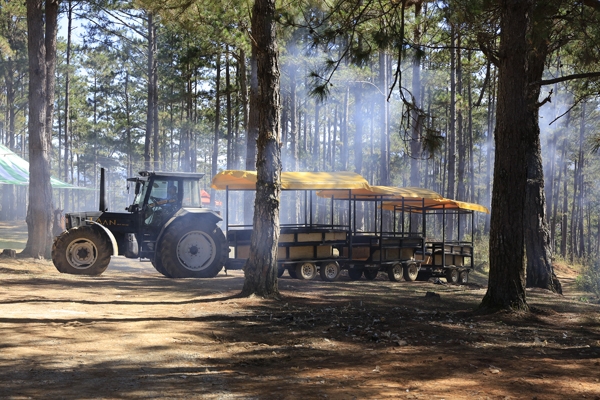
point(151, 89)
point(540, 272)
point(252, 135)
point(506, 285)
point(217, 134)
point(451, 145)
point(260, 270)
point(416, 117)
point(39, 210)
point(384, 162)
point(67, 99)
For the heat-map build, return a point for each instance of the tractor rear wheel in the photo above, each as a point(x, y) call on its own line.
point(83, 250)
point(157, 264)
point(190, 250)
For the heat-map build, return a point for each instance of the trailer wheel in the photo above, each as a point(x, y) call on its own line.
point(463, 276)
point(280, 271)
point(395, 272)
point(329, 271)
point(190, 250)
point(83, 250)
point(452, 275)
point(306, 271)
point(355, 274)
point(411, 271)
point(371, 273)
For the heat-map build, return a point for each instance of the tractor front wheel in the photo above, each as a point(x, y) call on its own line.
point(83, 250)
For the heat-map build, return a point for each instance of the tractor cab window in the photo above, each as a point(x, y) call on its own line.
point(163, 201)
point(191, 190)
point(141, 188)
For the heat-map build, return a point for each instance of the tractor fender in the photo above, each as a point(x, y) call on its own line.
point(202, 214)
point(113, 240)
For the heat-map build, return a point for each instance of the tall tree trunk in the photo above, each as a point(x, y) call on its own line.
point(358, 128)
point(230, 144)
point(506, 285)
point(243, 79)
point(416, 118)
point(67, 99)
point(384, 163)
point(8, 191)
point(252, 135)
point(451, 145)
point(39, 210)
point(316, 135)
point(580, 195)
point(294, 160)
point(217, 136)
point(151, 90)
point(345, 143)
point(490, 145)
point(260, 270)
point(154, 110)
point(540, 272)
point(565, 212)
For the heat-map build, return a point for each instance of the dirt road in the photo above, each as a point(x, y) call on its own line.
point(132, 334)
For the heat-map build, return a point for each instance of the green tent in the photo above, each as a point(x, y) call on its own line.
point(15, 171)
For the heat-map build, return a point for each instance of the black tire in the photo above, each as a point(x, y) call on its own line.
point(452, 275)
point(157, 264)
point(83, 250)
point(371, 273)
point(411, 271)
point(329, 271)
point(355, 274)
point(280, 271)
point(463, 276)
point(306, 271)
point(424, 275)
point(189, 249)
point(396, 272)
point(292, 273)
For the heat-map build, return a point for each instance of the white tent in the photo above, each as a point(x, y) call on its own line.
point(15, 171)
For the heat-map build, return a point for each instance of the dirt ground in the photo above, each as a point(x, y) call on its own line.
point(133, 334)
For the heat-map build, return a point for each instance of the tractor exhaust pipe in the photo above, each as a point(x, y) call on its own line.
point(103, 206)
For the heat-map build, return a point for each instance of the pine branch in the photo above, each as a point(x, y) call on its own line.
point(568, 78)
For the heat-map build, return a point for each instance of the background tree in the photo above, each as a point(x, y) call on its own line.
point(41, 39)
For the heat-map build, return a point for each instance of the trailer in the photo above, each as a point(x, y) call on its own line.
point(346, 224)
point(380, 242)
point(449, 250)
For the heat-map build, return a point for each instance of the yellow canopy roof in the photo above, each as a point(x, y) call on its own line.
point(246, 180)
point(412, 193)
point(437, 204)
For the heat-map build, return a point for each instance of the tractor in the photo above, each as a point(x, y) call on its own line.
point(166, 224)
